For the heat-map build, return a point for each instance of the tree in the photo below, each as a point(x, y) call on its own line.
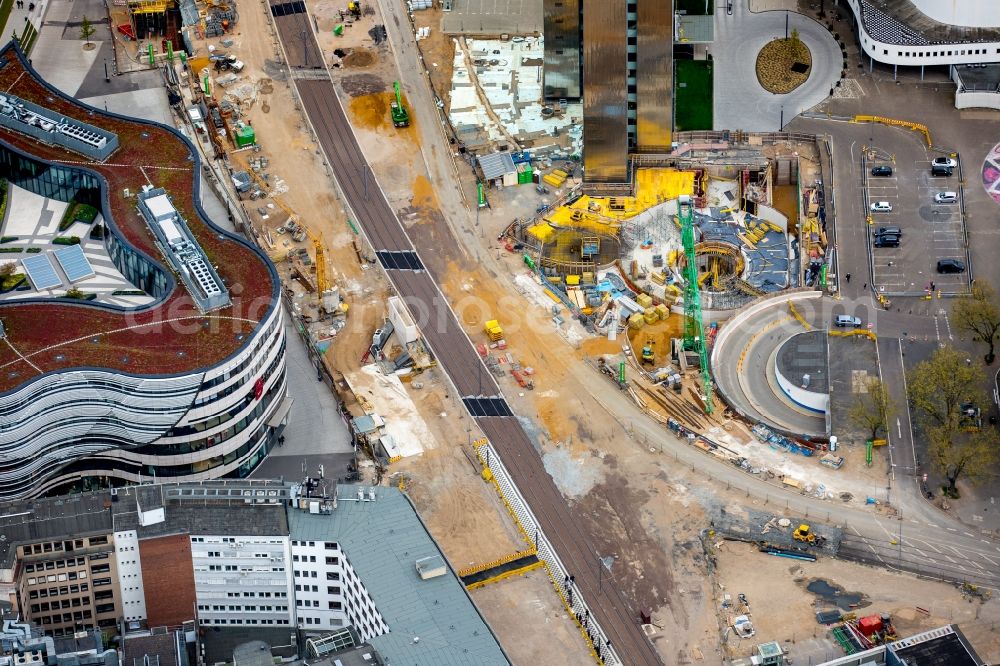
point(938, 389)
point(940, 385)
point(972, 455)
point(872, 408)
point(73, 292)
point(87, 30)
point(7, 269)
point(978, 314)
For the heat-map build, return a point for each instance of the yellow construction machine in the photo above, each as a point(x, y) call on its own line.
point(804, 534)
point(493, 330)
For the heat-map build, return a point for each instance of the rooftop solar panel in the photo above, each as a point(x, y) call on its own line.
point(41, 272)
point(74, 263)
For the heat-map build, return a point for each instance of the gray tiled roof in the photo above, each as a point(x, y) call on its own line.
point(383, 540)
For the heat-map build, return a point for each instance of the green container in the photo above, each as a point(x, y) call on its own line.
point(525, 176)
point(245, 136)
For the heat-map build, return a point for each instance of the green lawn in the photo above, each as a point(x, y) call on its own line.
point(28, 38)
point(5, 7)
point(693, 100)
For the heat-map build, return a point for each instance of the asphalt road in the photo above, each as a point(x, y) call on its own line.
point(742, 370)
point(453, 348)
point(738, 39)
point(932, 543)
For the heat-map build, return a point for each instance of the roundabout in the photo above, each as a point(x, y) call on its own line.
point(739, 39)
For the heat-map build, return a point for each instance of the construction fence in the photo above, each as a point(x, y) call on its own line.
point(527, 524)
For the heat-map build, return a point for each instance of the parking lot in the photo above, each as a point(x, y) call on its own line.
point(931, 231)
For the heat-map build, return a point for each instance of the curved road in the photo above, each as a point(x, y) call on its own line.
point(741, 368)
point(738, 40)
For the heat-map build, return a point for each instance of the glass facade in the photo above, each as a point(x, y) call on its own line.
point(64, 183)
point(54, 181)
point(136, 268)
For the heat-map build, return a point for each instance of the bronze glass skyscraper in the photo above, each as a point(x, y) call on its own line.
point(562, 49)
point(627, 50)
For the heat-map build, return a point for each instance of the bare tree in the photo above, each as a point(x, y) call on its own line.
point(872, 408)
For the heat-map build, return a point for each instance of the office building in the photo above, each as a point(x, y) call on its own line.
point(189, 383)
point(347, 565)
point(619, 56)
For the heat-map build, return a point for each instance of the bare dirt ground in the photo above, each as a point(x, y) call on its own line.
point(783, 610)
point(513, 601)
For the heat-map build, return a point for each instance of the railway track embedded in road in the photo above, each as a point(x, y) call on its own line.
point(625, 642)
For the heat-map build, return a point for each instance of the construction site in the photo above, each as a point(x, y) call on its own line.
point(603, 320)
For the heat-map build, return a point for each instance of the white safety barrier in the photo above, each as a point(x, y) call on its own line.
point(572, 599)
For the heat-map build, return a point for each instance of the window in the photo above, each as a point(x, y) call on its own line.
point(333, 560)
point(332, 575)
point(336, 605)
point(98, 541)
point(295, 558)
point(312, 558)
point(333, 589)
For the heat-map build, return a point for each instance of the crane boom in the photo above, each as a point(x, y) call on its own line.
point(694, 328)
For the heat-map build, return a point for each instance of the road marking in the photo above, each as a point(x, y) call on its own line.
point(937, 328)
point(952, 529)
point(928, 544)
point(950, 559)
point(988, 559)
point(969, 534)
point(922, 553)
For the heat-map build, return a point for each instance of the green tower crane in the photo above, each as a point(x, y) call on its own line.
point(694, 329)
point(400, 116)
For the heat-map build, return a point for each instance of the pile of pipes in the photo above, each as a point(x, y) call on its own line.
point(414, 5)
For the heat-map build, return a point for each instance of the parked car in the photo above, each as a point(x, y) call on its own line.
point(847, 321)
point(881, 207)
point(888, 231)
point(882, 170)
point(945, 197)
point(950, 266)
point(945, 162)
point(888, 240)
point(937, 170)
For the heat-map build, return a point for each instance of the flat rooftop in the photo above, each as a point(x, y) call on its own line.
point(806, 354)
point(900, 22)
point(852, 362)
point(383, 539)
point(82, 334)
point(946, 646)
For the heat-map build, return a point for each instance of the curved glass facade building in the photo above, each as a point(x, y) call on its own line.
point(118, 394)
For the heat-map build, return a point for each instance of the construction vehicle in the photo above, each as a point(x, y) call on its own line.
point(694, 328)
point(803, 533)
point(354, 8)
point(400, 116)
point(647, 353)
point(493, 330)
